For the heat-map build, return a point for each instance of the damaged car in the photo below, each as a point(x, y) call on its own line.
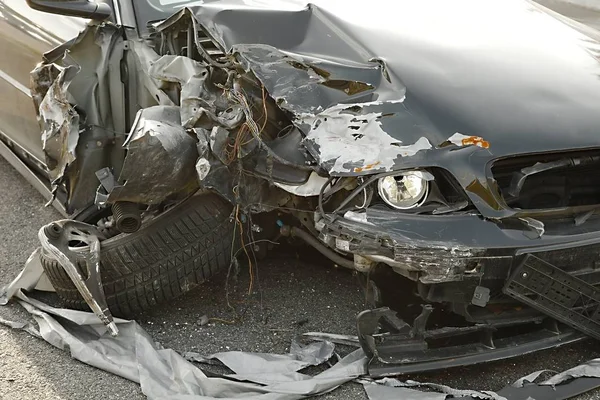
point(455, 145)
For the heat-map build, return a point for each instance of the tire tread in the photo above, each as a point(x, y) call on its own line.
point(173, 255)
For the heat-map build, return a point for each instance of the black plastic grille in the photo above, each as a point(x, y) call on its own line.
point(549, 181)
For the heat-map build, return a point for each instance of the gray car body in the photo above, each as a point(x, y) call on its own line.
point(366, 91)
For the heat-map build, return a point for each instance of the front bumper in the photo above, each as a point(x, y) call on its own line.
point(451, 258)
point(464, 250)
point(404, 349)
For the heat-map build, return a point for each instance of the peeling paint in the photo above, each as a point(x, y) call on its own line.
point(367, 167)
point(348, 141)
point(458, 139)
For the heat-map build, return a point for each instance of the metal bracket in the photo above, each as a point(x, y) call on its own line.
point(106, 178)
point(107, 184)
point(57, 239)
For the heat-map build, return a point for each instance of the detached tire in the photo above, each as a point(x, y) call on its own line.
point(170, 255)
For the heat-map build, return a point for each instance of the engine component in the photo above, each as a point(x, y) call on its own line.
point(127, 216)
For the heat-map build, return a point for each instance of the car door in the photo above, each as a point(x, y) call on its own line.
point(25, 34)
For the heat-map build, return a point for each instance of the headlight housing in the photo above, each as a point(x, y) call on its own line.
point(404, 191)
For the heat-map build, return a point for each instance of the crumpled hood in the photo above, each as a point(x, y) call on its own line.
point(505, 71)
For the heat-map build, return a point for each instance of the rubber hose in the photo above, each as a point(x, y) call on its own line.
point(320, 247)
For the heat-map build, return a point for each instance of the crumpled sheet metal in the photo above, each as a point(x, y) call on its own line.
point(590, 369)
point(269, 369)
point(164, 374)
point(60, 121)
point(31, 277)
point(40, 80)
point(77, 92)
point(440, 392)
point(160, 159)
point(197, 100)
point(320, 88)
point(381, 392)
point(346, 138)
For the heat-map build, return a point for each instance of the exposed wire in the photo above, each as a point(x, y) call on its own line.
point(265, 112)
point(253, 241)
point(232, 262)
point(320, 199)
point(310, 211)
point(250, 265)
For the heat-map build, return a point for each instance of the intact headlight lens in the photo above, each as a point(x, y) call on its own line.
point(404, 191)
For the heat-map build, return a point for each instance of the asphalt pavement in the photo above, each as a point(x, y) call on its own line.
point(290, 296)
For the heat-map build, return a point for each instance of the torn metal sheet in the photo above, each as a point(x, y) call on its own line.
point(164, 374)
point(42, 78)
point(564, 385)
point(380, 392)
point(345, 140)
point(199, 98)
point(440, 389)
point(267, 368)
point(311, 83)
point(590, 369)
point(78, 96)
point(536, 227)
point(60, 120)
point(32, 276)
point(160, 160)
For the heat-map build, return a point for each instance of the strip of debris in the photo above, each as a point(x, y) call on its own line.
point(163, 373)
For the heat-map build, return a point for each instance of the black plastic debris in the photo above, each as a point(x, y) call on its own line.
point(557, 294)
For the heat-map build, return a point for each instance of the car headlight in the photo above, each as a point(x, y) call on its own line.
point(404, 191)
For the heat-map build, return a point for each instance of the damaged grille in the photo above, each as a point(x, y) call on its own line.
point(549, 181)
point(578, 261)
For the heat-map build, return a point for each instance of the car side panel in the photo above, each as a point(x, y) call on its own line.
point(25, 34)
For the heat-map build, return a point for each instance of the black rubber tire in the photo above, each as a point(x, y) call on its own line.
point(170, 255)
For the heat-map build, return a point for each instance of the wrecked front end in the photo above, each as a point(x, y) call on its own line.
point(338, 151)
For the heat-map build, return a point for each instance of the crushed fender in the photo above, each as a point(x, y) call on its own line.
point(160, 158)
